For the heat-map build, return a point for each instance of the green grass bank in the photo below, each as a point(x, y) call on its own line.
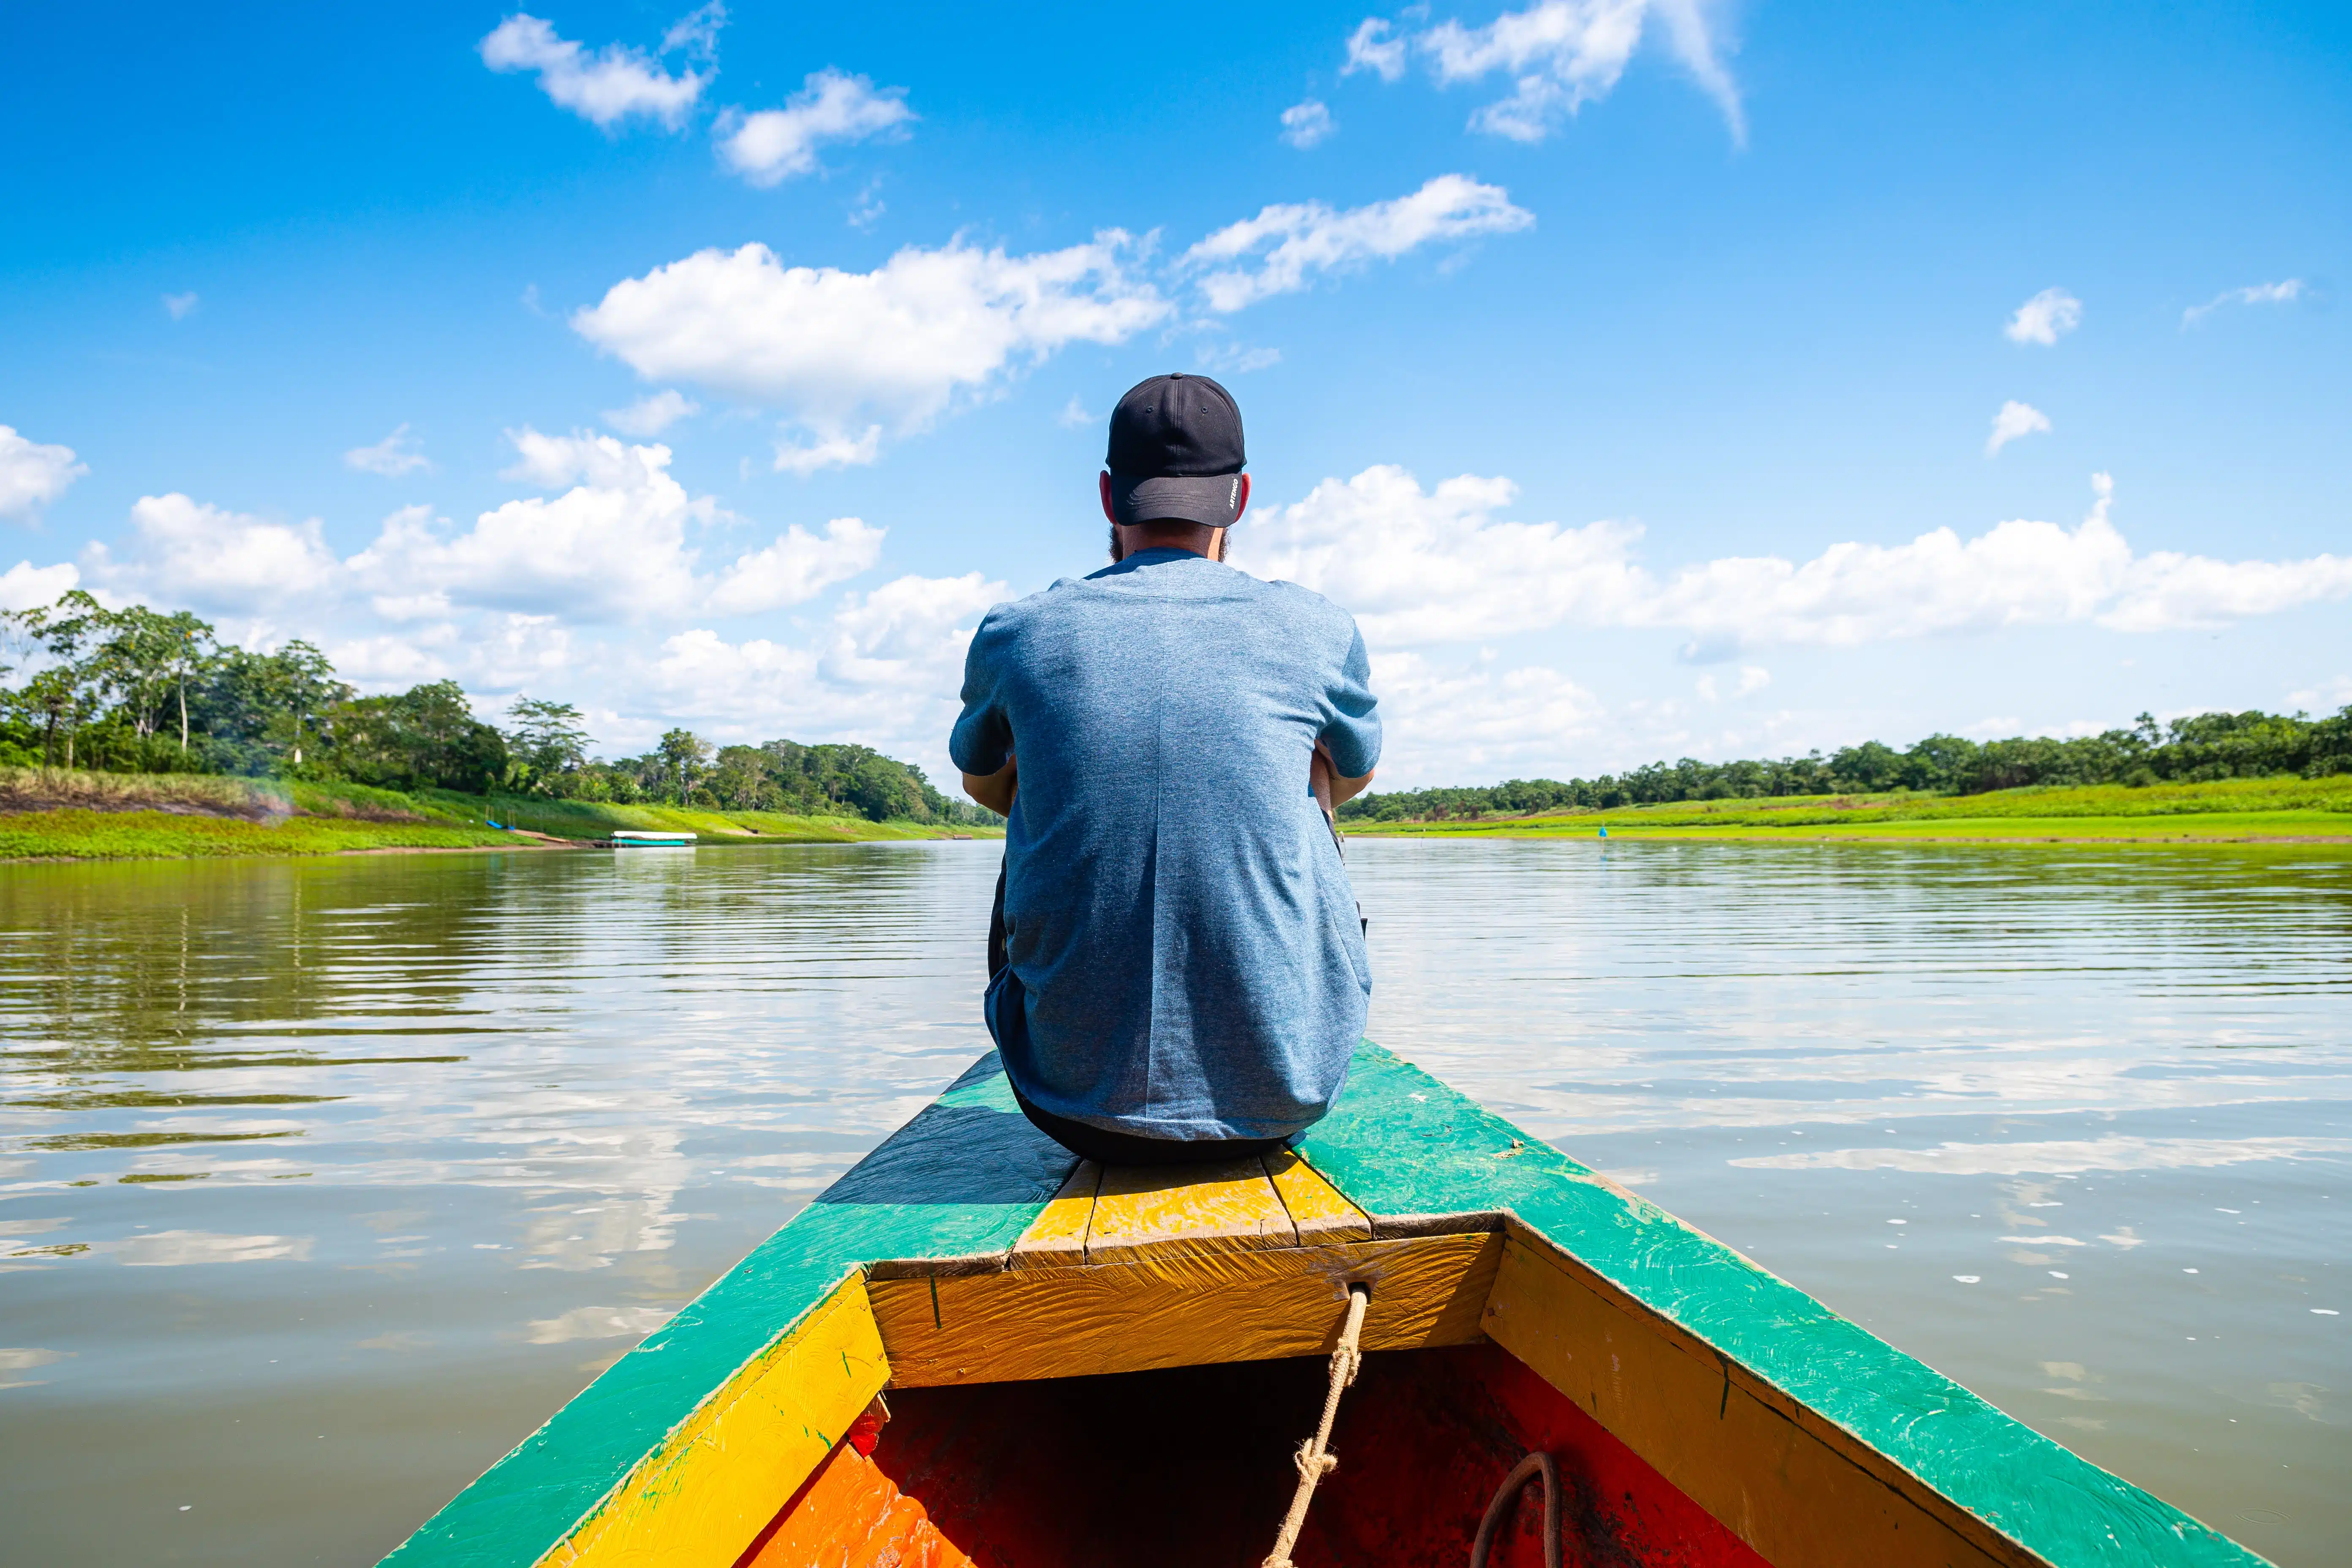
point(2227, 811)
point(56, 814)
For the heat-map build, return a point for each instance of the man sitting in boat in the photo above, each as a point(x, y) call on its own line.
point(1181, 973)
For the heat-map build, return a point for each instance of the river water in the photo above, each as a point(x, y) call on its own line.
point(321, 1182)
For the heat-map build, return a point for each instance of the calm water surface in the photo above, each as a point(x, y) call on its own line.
point(322, 1184)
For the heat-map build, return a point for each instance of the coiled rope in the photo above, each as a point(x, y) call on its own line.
point(1314, 1457)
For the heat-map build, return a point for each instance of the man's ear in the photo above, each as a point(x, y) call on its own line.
point(1238, 510)
point(1103, 484)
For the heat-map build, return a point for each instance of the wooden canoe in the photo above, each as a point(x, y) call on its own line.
point(974, 1349)
point(626, 839)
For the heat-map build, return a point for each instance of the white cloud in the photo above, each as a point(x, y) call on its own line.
point(1370, 48)
point(796, 568)
point(394, 455)
point(697, 32)
point(1306, 124)
point(180, 306)
point(884, 668)
point(2015, 421)
point(1074, 416)
point(1301, 239)
point(1427, 567)
point(2045, 319)
point(842, 350)
point(806, 458)
point(612, 546)
point(1753, 678)
point(26, 586)
point(1559, 55)
point(189, 553)
point(32, 474)
point(652, 416)
point(607, 86)
point(772, 145)
point(558, 462)
point(1434, 566)
point(1234, 359)
point(1442, 721)
point(2285, 292)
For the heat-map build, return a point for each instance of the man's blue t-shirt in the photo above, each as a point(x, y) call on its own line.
point(1176, 912)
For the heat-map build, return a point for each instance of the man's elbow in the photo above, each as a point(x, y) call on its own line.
point(994, 790)
point(1345, 790)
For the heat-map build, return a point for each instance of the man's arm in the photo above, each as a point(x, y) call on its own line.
point(995, 790)
point(1331, 791)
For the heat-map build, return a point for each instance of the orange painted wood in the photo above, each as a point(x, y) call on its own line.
point(1314, 1205)
point(1057, 1238)
point(851, 1515)
point(1225, 1207)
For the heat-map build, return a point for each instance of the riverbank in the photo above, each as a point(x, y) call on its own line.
point(56, 814)
point(2225, 811)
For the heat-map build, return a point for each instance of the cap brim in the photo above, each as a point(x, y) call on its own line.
point(1210, 499)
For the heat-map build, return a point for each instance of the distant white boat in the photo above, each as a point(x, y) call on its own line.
point(632, 840)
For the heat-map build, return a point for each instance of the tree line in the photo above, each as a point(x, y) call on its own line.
point(137, 691)
point(2201, 747)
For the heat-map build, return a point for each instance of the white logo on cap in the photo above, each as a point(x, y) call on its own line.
point(1232, 492)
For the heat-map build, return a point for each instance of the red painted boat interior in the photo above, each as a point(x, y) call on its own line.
point(1193, 1469)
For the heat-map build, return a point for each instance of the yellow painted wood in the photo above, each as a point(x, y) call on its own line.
point(715, 1482)
point(1314, 1205)
point(1224, 1207)
point(1057, 1238)
point(1181, 1308)
point(1803, 1492)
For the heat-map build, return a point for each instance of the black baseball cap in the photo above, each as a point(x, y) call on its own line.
point(1176, 452)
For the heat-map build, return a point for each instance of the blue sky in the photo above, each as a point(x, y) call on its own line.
point(1652, 379)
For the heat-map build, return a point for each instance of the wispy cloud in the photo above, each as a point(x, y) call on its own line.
point(1557, 54)
point(772, 145)
point(1371, 48)
point(2015, 421)
point(2285, 292)
point(652, 416)
point(392, 457)
point(612, 84)
point(1292, 243)
point(179, 307)
point(33, 474)
point(2045, 319)
point(1308, 124)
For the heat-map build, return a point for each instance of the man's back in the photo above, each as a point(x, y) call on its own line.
point(1176, 910)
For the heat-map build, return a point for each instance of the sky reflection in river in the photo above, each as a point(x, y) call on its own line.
point(2070, 1124)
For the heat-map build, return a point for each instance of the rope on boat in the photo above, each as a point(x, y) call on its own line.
point(1508, 1493)
point(1314, 1457)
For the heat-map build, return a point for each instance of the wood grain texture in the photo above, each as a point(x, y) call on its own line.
point(1057, 1238)
point(1225, 1207)
point(707, 1491)
point(1314, 1205)
point(1181, 1309)
point(1795, 1495)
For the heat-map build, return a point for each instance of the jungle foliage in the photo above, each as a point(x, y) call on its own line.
point(2197, 749)
point(134, 691)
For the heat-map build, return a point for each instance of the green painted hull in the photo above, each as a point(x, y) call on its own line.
point(969, 1174)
